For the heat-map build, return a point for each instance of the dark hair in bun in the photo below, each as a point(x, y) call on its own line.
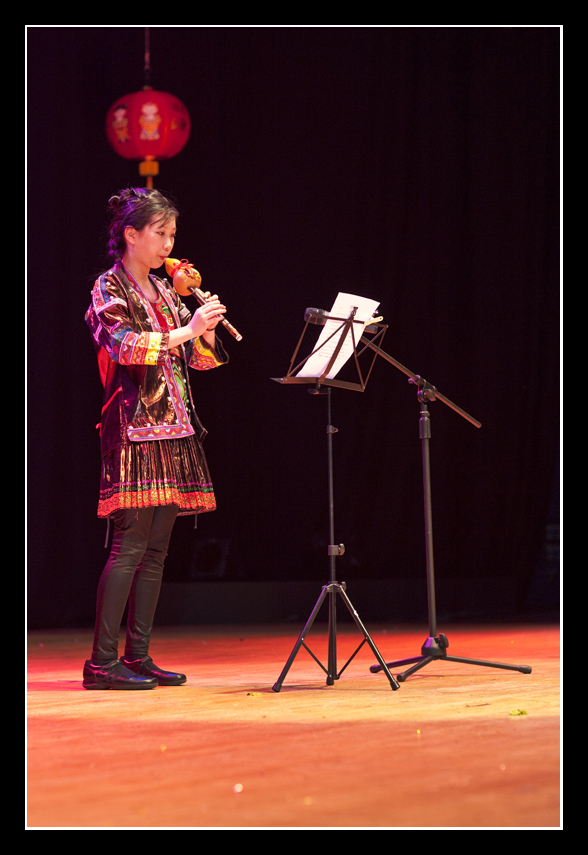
point(135, 208)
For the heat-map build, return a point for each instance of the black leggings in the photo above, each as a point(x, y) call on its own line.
point(133, 572)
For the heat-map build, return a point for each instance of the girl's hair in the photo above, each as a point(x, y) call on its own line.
point(135, 208)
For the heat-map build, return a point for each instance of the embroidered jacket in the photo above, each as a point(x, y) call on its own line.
point(142, 393)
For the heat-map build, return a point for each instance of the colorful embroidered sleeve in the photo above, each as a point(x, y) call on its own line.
point(203, 357)
point(113, 329)
point(199, 354)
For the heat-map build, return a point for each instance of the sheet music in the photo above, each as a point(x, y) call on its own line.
point(316, 365)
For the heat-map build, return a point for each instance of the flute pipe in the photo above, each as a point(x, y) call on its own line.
point(180, 271)
point(228, 326)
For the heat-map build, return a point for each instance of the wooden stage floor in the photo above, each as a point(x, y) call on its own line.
point(450, 749)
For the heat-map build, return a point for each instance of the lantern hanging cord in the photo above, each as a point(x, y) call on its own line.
point(147, 66)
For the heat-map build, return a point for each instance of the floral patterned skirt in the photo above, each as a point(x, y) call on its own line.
point(159, 472)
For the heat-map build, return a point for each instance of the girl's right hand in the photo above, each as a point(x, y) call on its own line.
point(207, 316)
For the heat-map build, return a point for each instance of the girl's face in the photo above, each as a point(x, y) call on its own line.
point(152, 245)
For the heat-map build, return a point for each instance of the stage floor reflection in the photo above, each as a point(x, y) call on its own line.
point(457, 746)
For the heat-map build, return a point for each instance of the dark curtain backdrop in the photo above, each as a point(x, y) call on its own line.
point(415, 166)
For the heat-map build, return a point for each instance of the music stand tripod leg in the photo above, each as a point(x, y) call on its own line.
point(334, 550)
point(393, 683)
point(278, 684)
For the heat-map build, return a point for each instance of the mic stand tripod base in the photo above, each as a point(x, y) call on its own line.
point(436, 648)
point(332, 589)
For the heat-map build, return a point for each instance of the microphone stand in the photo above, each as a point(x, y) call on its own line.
point(333, 587)
point(435, 646)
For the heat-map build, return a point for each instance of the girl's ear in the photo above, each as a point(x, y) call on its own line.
point(130, 234)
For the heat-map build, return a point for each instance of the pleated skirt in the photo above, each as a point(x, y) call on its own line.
point(154, 473)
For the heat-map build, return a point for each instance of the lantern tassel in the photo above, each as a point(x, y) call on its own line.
point(147, 169)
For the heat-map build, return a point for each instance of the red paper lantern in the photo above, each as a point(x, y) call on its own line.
point(148, 126)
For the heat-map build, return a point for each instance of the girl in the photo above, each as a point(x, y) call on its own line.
point(153, 466)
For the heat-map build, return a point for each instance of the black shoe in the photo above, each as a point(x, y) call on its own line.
point(114, 675)
point(146, 667)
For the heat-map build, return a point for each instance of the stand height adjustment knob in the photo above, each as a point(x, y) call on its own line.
point(336, 549)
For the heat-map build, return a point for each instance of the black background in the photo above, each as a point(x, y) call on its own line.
point(417, 166)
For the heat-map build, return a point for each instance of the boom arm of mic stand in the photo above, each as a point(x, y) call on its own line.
point(429, 391)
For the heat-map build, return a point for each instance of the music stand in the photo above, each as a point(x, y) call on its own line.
point(333, 587)
point(435, 646)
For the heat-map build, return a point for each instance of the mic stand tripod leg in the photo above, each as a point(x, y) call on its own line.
point(435, 647)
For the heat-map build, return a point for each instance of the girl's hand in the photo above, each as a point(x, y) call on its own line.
point(207, 316)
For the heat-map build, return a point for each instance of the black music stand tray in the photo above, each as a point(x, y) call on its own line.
point(333, 587)
point(435, 646)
